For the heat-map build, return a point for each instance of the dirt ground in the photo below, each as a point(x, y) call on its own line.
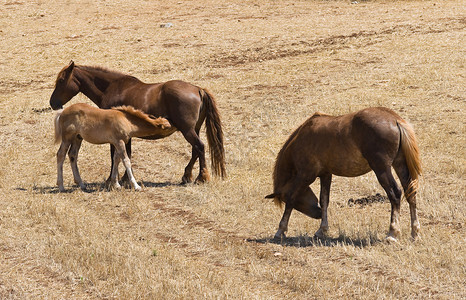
point(270, 65)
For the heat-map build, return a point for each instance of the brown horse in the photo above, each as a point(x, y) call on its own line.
point(348, 145)
point(99, 126)
point(185, 105)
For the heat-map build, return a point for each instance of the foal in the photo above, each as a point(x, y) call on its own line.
point(99, 126)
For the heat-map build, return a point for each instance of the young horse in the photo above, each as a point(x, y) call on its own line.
point(349, 145)
point(185, 105)
point(99, 126)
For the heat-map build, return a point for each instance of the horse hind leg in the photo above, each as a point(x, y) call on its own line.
point(61, 155)
point(73, 156)
point(198, 152)
point(402, 171)
point(188, 171)
point(121, 152)
point(388, 182)
point(125, 179)
point(112, 181)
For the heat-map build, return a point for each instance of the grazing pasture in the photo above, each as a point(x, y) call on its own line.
point(270, 66)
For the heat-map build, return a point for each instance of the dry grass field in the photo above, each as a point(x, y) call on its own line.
point(270, 64)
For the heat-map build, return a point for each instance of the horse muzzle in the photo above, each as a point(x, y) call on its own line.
point(55, 104)
point(308, 208)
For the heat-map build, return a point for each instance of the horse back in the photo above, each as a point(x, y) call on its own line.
point(152, 98)
point(95, 125)
point(344, 145)
point(175, 100)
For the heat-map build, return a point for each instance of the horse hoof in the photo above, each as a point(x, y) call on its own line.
point(126, 184)
point(137, 188)
point(391, 239)
point(199, 180)
point(108, 184)
point(203, 177)
point(415, 236)
point(415, 231)
point(186, 179)
point(322, 233)
point(115, 186)
point(279, 236)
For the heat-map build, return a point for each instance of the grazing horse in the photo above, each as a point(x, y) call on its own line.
point(185, 105)
point(349, 145)
point(99, 126)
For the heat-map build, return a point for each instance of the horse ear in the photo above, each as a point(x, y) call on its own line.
point(273, 195)
point(70, 67)
point(166, 124)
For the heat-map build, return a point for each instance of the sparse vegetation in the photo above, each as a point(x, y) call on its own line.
point(270, 65)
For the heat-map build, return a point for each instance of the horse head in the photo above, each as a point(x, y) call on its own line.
point(66, 87)
point(306, 202)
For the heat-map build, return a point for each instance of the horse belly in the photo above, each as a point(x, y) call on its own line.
point(95, 138)
point(101, 133)
point(349, 165)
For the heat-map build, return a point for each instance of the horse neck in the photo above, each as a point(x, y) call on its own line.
point(141, 129)
point(94, 82)
point(140, 126)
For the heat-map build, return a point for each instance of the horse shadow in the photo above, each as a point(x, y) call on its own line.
point(303, 241)
point(160, 184)
point(93, 187)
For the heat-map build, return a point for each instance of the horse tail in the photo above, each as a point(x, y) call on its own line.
point(410, 149)
point(58, 129)
point(214, 133)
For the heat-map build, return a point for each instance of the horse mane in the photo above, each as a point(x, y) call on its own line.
point(282, 169)
point(93, 68)
point(141, 115)
point(107, 71)
point(102, 69)
point(319, 114)
point(283, 165)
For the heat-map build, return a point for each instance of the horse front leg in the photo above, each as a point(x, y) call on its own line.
point(299, 186)
point(283, 226)
point(325, 182)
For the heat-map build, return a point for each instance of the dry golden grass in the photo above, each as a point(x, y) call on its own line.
point(270, 65)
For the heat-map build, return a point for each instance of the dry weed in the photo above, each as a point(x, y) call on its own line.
point(270, 64)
